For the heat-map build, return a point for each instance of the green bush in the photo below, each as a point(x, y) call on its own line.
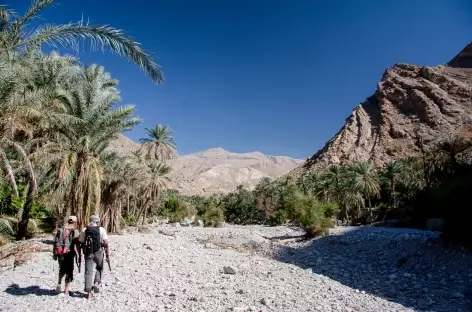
point(239, 207)
point(176, 210)
point(306, 211)
point(212, 215)
point(39, 211)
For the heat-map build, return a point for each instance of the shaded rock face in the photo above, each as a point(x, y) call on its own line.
point(412, 107)
point(216, 170)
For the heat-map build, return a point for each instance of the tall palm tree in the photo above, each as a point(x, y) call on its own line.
point(159, 143)
point(118, 178)
point(318, 186)
point(20, 109)
point(154, 181)
point(16, 36)
point(364, 180)
point(391, 173)
point(76, 150)
point(334, 177)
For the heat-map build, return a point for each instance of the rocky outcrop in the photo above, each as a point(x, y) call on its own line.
point(412, 107)
point(216, 170)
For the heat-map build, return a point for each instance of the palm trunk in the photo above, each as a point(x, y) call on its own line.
point(75, 202)
point(32, 188)
point(97, 192)
point(127, 204)
point(9, 172)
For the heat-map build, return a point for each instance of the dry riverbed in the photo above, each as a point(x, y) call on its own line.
point(241, 269)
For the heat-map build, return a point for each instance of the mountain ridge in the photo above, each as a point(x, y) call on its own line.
point(412, 107)
point(216, 170)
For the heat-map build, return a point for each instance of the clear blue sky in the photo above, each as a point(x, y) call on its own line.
point(279, 77)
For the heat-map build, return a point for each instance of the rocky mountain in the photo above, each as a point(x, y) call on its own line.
point(413, 106)
point(216, 170)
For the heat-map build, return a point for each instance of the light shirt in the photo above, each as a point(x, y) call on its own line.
point(103, 234)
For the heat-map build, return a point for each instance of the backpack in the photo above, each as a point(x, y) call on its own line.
point(92, 242)
point(63, 241)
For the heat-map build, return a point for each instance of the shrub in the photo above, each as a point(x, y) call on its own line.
point(177, 210)
point(39, 211)
point(306, 211)
point(239, 207)
point(212, 215)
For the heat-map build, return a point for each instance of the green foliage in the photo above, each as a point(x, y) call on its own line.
point(239, 207)
point(176, 210)
point(309, 213)
point(40, 211)
point(212, 215)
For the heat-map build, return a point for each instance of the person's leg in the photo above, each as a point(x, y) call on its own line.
point(89, 264)
point(69, 269)
point(60, 261)
point(98, 257)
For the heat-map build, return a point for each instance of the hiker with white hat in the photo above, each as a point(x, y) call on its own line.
point(94, 240)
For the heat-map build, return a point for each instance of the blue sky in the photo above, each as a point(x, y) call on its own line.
point(278, 77)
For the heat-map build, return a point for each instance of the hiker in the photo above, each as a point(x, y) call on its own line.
point(93, 239)
point(66, 249)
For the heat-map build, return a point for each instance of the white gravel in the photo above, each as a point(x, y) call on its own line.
point(176, 269)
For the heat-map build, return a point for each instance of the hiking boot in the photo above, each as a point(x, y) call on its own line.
point(89, 295)
point(96, 288)
point(58, 289)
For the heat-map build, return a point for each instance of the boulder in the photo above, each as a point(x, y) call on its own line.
point(198, 223)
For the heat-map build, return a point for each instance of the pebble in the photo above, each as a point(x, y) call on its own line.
point(350, 270)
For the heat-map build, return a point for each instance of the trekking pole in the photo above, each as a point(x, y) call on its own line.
point(78, 263)
point(109, 265)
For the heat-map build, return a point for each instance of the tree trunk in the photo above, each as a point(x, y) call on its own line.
point(97, 193)
point(23, 223)
point(145, 216)
point(9, 172)
point(127, 204)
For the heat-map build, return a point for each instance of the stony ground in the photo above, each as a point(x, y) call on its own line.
point(240, 269)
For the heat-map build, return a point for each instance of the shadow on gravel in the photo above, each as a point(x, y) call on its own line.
point(16, 290)
point(407, 267)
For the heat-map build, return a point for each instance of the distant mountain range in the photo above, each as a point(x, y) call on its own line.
point(216, 170)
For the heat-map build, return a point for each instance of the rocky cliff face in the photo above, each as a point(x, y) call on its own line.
point(413, 106)
point(216, 170)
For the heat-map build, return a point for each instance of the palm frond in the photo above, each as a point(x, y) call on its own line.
point(104, 36)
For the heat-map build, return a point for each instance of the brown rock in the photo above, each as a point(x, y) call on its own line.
point(412, 107)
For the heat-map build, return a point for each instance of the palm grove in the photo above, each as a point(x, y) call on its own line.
point(435, 183)
point(57, 119)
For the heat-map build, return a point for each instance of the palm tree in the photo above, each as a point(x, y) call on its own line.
point(76, 150)
point(16, 36)
point(159, 144)
point(154, 181)
point(391, 173)
point(334, 177)
point(318, 186)
point(454, 145)
point(21, 109)
point(119, 176)
point(364, 179)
